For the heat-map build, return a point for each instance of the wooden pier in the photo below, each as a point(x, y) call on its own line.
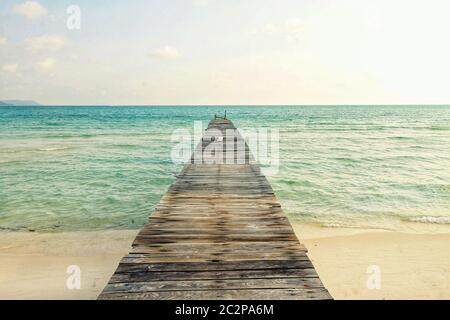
point(218, 233)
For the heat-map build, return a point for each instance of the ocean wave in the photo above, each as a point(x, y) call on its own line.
point(54, 124)
point(439, 128)
point(334, 225)
point(53, 149)
point(431, 219)
point(126, 146)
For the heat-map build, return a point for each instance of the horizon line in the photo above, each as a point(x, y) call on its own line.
point(225, 105)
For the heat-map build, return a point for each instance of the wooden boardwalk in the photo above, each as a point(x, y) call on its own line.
point(218, 233)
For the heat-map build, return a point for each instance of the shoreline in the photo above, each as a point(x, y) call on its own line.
point(413, 265)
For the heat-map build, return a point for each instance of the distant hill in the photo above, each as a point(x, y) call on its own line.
point(18, 103)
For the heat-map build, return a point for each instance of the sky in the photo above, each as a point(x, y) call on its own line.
point(158, 52)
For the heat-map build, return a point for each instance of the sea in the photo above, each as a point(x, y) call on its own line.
point(79, 168)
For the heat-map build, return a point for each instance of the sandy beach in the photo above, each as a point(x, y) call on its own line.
point(34, 265)
point(412, 265)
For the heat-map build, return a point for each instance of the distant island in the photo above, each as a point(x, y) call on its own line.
point(18, 103)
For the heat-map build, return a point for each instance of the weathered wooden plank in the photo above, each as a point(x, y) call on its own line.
point(251, 247)
point(214, 231)
point(215, 266)
point(254, 294)
point(210, 240)
point(209, 256)
point(211, 275)
point(215, 284)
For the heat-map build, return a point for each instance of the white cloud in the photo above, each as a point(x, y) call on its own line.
point(166, 52)
point(46, 42)
point(10, 67)
point(3, 40)
point(47, 64)
point(31, 9)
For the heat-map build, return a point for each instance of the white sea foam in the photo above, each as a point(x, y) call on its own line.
point(53, 149)
point(431, 219)
point(333, 225)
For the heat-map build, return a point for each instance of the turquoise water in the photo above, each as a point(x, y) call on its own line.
point(90, 168)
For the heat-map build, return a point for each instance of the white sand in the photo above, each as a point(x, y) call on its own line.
point(33, 265)
point(413, 266)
